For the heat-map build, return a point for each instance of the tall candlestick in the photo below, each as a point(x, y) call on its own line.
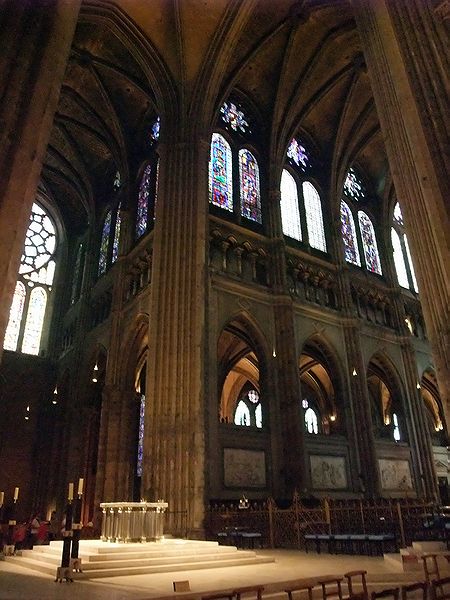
point(80, 486)
point(2, 498)
point(70, 494)
point(16, 494)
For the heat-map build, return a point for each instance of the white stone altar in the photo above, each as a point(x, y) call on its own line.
point(132, 521)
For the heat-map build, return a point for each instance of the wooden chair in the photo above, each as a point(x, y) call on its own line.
point(253, 590)
point(331, 587)
point(440, 589)
point(388, 593)
point(357, 578)
point(409, 592)
point(302, 587)
point(430, 567)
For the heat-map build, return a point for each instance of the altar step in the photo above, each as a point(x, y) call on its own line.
point(409, 558)
point(102, 559)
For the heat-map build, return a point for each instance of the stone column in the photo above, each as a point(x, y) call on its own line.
point(291, 432)
point(407, 56)
point(36, 39)
point(174, 445)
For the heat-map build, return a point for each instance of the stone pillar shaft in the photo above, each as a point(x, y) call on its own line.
point(34, 55)
point(174, 460)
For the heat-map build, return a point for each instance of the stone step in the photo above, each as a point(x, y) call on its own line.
point(429, 547)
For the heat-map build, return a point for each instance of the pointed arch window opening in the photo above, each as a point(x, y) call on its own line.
point(221, 173)
point(399, 260)
point(314, 217)
point(116, 239)
point(104, 244)
point(35, 280)
point(248, 411)
point(369, 243)
point(78, 274)
point(410, 264)
point(142, 211)
point(396, 430)
point(141, 431)
point(290, 214)
point(401, 253)
point(155, 130)
point(310, 418)
point(249, 186)
point(349, 238)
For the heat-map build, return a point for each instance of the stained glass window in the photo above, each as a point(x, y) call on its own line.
point(35, 321)
point(410, 264)
point(15, 317)
point(156, 189)
point(258, 416)
point(311, 420)
point(298, 154)
point(104, 244)
point(397, 435)
point(233, 117)
point(398, 217)
point(77, 275)
point(290, 214)
point(314, 218)
point(353, 186)
point(369, 243)
point(117, 180)
point(155, 130)
point(249, 186)
point(143, 202)
point(140, 450)
point(242, 414)
point(349, 235)
point(220, 173)
point(399, 261)
point(116, 240)
point(37, 266)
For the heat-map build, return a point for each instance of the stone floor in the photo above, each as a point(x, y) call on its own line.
point(18, 583)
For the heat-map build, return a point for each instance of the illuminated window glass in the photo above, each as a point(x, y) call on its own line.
point(104, 244)
point(15, 317)
point(298, 154)
point(37, 266)
point(140, 449)
point(233, 117)
point(398, 217)
point(249, 186)
point(116, 240)
point(155, 130)
point(35, 321)
point(369, 243)
point(396, 432)
point(143, 202)
point(290, 215)
point(410, 264)
point(258, 416)
point(399, 261)
point(349, 235)
point(314, 218)
point(353, 186)
point(242, 414)
point(220, 173)
point(311, 421)
point(117, 180)
point(77, 275)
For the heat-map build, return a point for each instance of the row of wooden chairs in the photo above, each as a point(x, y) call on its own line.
point(432, 589)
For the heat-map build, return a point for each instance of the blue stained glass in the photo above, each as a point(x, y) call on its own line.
point(155, 130)
point(140, 449)
point(298, 154)
point(233, 117)
point(104, 244)
point(249, 186)
point(143, 202)
point(115, 248)
point(349, 235)
point(369, 243)
point(220, 173)
point(353, 186)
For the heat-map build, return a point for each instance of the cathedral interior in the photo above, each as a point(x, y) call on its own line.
point(225, 254)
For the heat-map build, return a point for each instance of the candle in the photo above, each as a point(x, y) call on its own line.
point(70, 494)
point(2, 497)
point(80, 486)
point(16, 494)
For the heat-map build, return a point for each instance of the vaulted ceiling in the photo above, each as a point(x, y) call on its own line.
point(299, 65)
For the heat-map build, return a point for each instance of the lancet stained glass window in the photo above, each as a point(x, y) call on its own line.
point(140, 450)
point(314, 218)
point(143, 202)
point(369, 243)
point(104, 244)
point(410, 264)
point(249, 186)
point(242, 414)
point(155, 130)
point(77, 275)
point(35, 278)
point(15, 317)
point(220, 173)
point(349, 235)
point(290, 214)
point(297, 153)
point(399, 261)
point(353, 186)
point(116, 240)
